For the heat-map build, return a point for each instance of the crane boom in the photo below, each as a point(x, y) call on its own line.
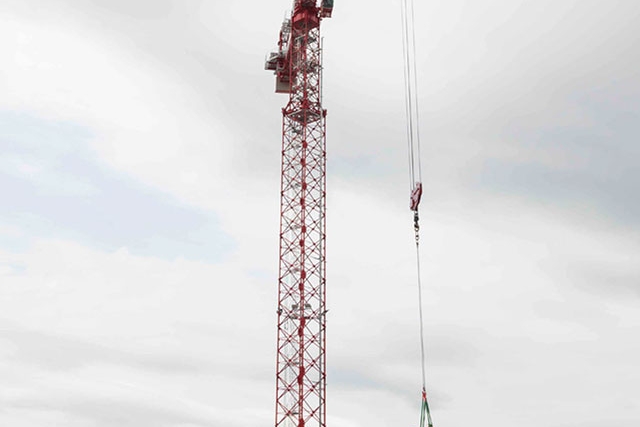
point(300, 362)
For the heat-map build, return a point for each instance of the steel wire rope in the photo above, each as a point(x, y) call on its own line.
point(413, 143)
point(416, 92)
point(407, 94)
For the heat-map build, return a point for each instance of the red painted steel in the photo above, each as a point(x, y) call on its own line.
point(301, 359)
point(416, 195)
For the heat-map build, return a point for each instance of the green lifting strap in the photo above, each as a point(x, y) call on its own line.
point(425, 414)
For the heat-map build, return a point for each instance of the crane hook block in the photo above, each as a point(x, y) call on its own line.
point(416, 194)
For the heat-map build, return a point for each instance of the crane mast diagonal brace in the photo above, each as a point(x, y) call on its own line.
point(301, 359)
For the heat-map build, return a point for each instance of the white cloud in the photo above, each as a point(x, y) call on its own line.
point(197, 332)
point(176, 97)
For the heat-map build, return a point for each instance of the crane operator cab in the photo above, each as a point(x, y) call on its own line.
point(327, 8)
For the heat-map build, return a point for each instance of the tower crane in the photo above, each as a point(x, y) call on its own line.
point(297, 65)
point(300, 361)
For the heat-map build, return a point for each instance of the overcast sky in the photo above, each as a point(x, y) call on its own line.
point(139, 183)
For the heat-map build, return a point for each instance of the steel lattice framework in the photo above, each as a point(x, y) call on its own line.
point(300, 365)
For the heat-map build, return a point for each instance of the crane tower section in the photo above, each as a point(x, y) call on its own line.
point(300, 363)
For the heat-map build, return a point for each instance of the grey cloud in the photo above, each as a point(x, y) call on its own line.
point(374, 366)
point(581, 59)
point(569, 91)
point(351, 378)
point(114, 412)
point(77, 195)
point(605, 281)
point(447, 346)
point(591, 315)
point(386, 341)
point(221, 75)
point(596, 173)
point(612, 421)
point(511, 95)
point(139, 10)
point(54, 352)
point(580, 193)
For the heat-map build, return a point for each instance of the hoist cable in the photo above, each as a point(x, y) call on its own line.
point(411, 90)
point(425, 413)
point(415, 182)
point(408, 97)
point(415, 85)
point(422, 355)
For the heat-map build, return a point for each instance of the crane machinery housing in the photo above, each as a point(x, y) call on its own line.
point(301, 359)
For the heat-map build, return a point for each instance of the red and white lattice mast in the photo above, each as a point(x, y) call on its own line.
point(300, 365)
